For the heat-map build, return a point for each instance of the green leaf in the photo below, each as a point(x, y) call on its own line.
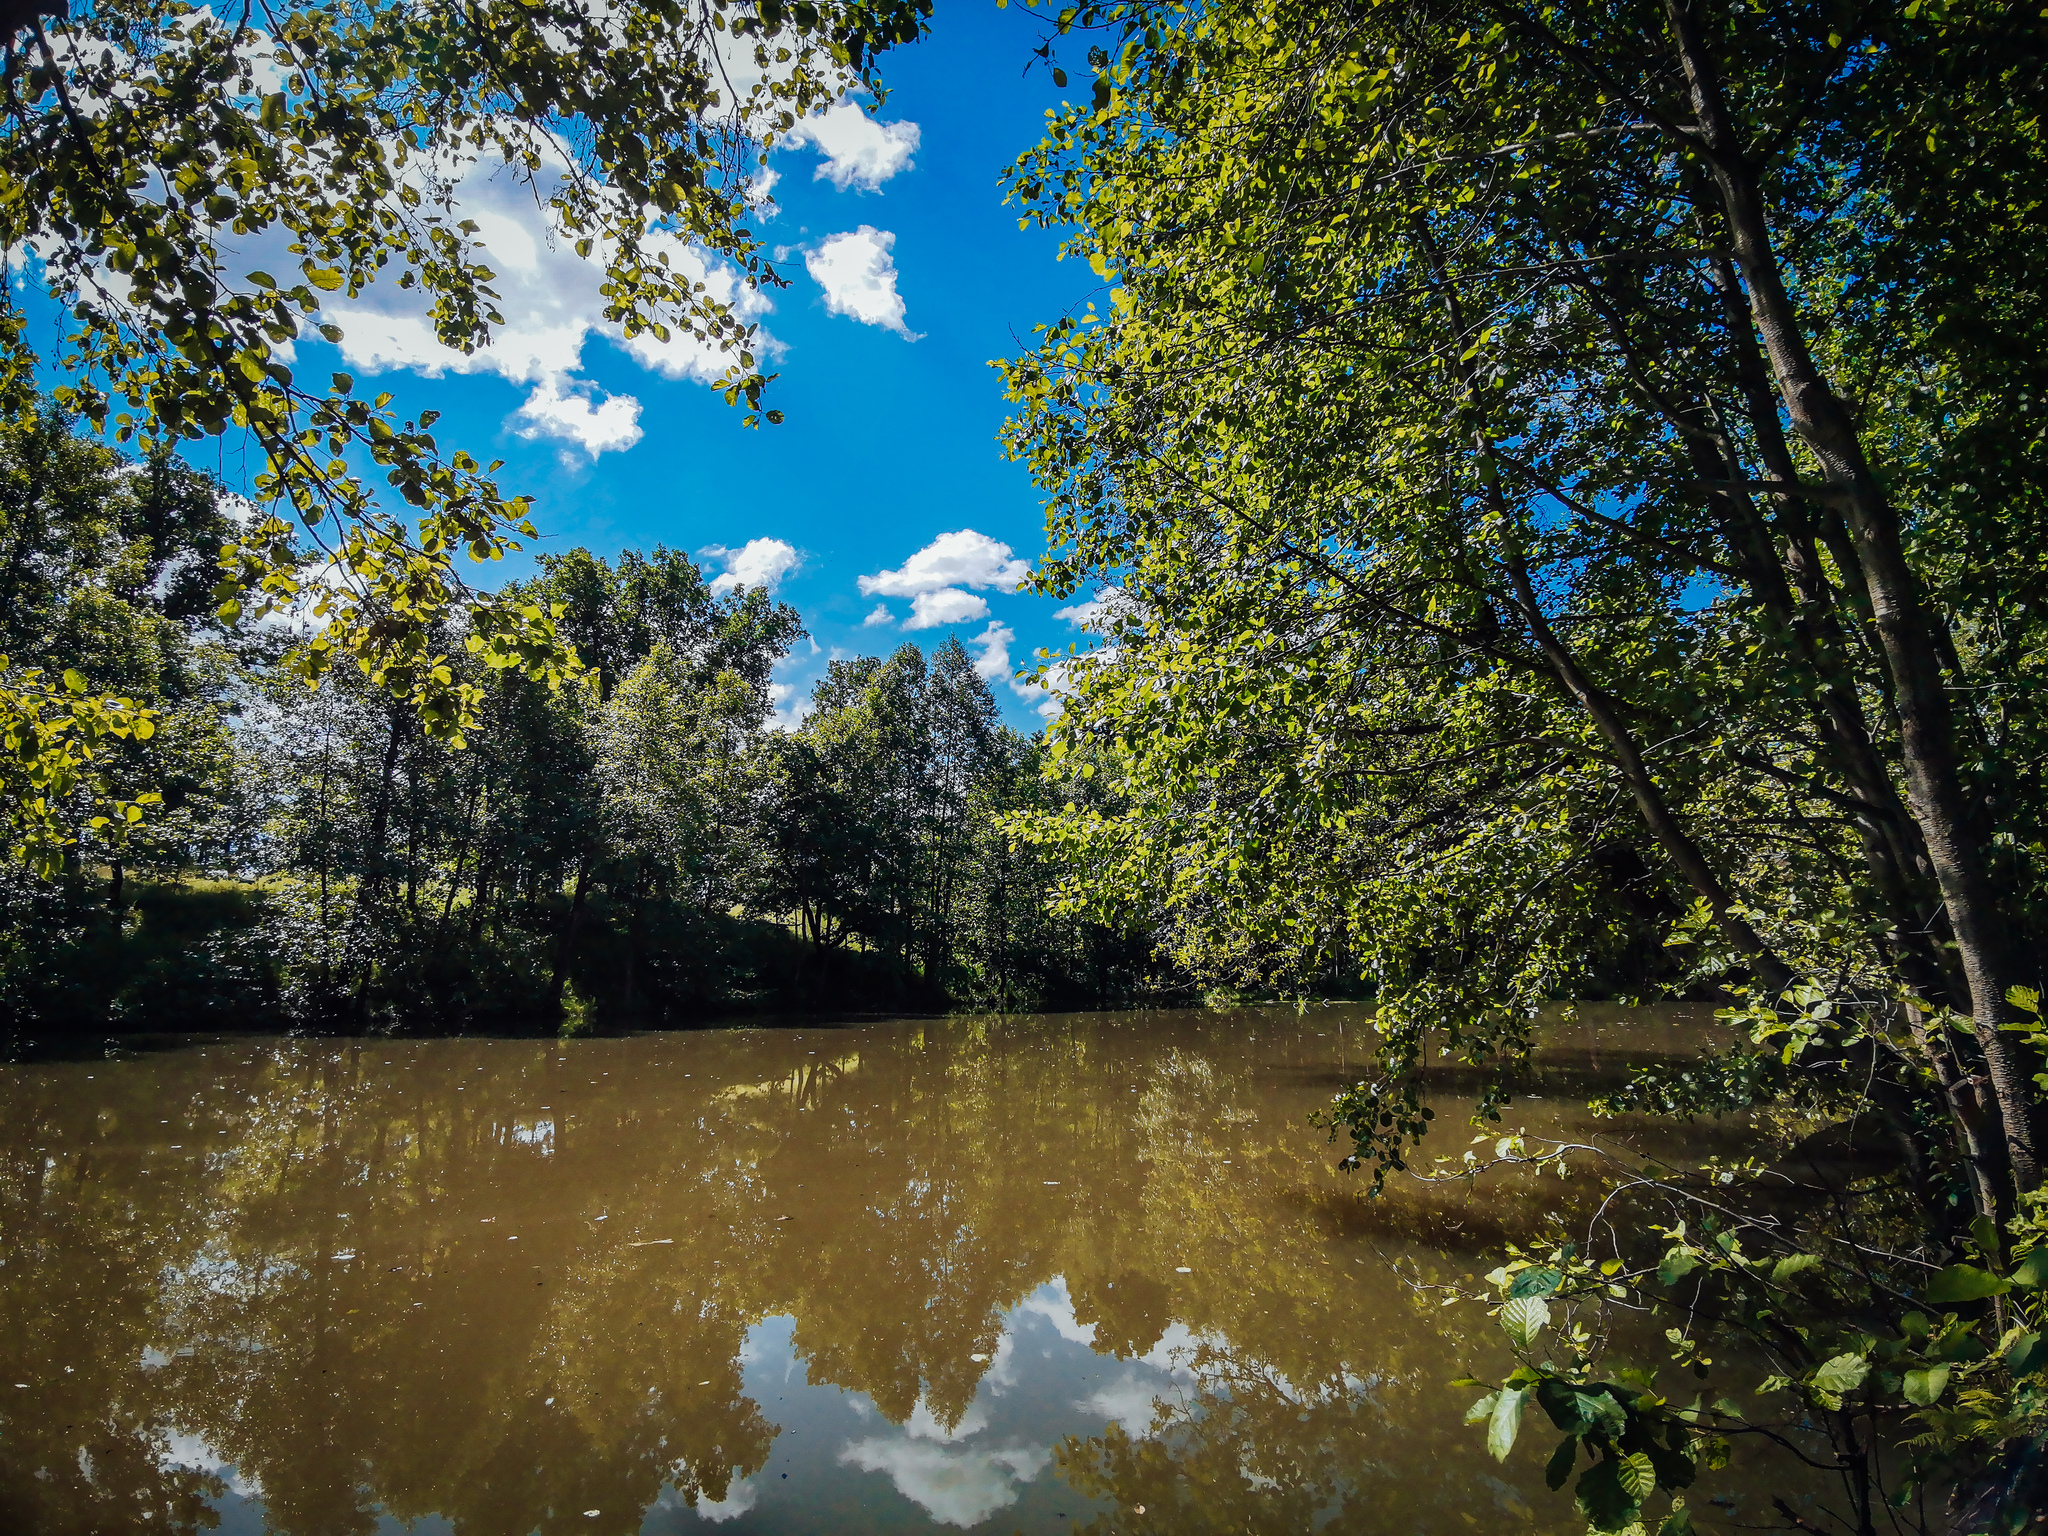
point(1636, 1475)
point(1677, 1523)
point(1534, 1282)
point(1506, 1423)
point(2032, 1271)
point(1841, 1375)
point(74, 680)
point(1599, 1411)
point(1793, 1265)
point(1561, 1462)
point(1678, 1263)
point(1675, 1469)
point(1602, 1499)
point(1984, 1233)
point(1924, 1388)
point(1483, 1409)
point(1965, 1282)
point(2028, 1354)
point(325, 278)
point(1523, 1318)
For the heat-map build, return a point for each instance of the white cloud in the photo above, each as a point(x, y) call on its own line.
point(183, 1450)
point(877, 616)
point(1049, 697)
point(787, 706)
point(756, 563)
point(858, 150)
point(1178, 1345)
point(962, 559)
point(1052, 1302)
point(552, 306)
point(739, 1498)
point(612, 424)
point(995, 642)
point(1095, 612)
point(948, 605)
point(954, 1486)
point(994, 662)
point(924, 1425)
point(1129, 1401)
point(859, 278)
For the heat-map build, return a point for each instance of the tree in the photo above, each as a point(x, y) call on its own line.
point(1566, 471)
point(961, 736)
point(146, 144)
point(838, 808)
point(105, 570)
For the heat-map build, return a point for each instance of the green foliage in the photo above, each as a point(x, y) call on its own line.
point(106, 642)
point(179, 955)
point(145, 142)
point(1539, 455)
point(1951, 1384)
point(639, 847)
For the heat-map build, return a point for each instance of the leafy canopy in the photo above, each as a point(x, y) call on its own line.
point(1572, 486)
point(189, 185)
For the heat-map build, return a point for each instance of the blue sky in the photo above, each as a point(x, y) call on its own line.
point(890, 436)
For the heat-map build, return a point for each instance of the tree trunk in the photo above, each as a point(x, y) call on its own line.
point(1955, 842)
point(567, 944)
point(375, 867)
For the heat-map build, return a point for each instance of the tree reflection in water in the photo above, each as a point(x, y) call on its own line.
point(1031, 1272)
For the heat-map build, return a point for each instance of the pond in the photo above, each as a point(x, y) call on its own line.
point(1020, 1274)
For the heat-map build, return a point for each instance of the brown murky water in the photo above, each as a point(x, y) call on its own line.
point(1020, 1275)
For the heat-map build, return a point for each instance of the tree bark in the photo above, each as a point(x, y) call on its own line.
point(1955, 842)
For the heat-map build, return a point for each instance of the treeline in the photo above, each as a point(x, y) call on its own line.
point(637, 846)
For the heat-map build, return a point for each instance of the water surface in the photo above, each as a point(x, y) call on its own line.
point(1028, 1274)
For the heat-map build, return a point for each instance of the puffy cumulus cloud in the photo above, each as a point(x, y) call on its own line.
point(858, 150)
point(858, 275)
point(787, 706)
point(962, 559)
point(756, 563)
point(576, 416)
point(878, 616)
point(1130, 1401)
point(923, 1424)
point(995, 643)
point(954, 1485)
point(1098, 612)
point(1052, 1302)
point(739, 1498)
point(552, 306)
point(948, 605)
point(1049, 697)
